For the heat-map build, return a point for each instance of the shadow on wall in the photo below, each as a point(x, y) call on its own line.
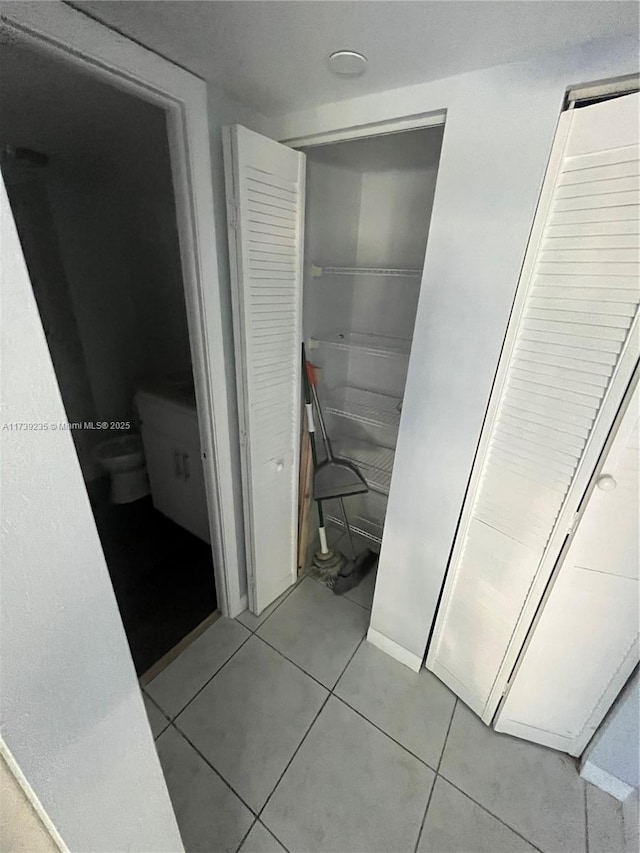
point(25, 175)
point(104, 261)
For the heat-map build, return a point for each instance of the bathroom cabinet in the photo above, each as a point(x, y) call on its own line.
point(169, 428)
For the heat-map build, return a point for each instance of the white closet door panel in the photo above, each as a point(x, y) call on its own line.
point(265, 195)
point(600, 542)
point(567, 360)
point(591, 613)
point(552, 702)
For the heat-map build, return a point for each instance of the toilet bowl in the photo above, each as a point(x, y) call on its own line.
point(123, 459)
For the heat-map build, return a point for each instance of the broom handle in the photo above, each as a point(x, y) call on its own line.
point(347, 527)
point(308, 407)
point(311, 377)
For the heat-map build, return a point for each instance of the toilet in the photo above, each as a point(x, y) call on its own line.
point(123, 459)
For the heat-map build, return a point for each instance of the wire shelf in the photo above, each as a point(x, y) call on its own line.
point(365, 407)
point(379, 345)
point(319, 272)
point(359, 526)
point(365, 513)
point(374, 462)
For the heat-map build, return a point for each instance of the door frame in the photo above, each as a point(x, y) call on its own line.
point(94, 48)
point(365, 130)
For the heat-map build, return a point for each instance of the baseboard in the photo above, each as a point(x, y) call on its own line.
point(392, 648)
point(605, 781)
point(29, 824)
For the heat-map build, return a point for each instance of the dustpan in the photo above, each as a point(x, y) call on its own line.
point(334, 477)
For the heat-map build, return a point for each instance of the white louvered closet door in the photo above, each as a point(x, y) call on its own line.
point(570, 350)
point(561, 691)
point(265, 203)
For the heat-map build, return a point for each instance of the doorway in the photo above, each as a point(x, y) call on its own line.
point(361, 224)
point(368, 210)
point(88, 174)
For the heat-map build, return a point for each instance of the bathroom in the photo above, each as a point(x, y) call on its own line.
point(88, 174)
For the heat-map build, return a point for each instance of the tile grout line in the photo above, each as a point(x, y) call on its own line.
point(328, 696)
point(266, 829)
point(246, 835)
point(586, 820)
point(295, 752)
point(494, 816)
point(209, 680)
point(171, 721)
point(357, 603)
point(355, 710)
point(217, 772)
point(464, 793)
point(297, 665)
point(145, 695)
point(266, 618)
point(331, 692)
point(271, 832)
point(382, 731)
point(252, 633)
point(435, 778)
point(174, 724)
point(290, 592)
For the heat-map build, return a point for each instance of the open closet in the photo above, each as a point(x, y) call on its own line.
point(360, 220)
point(368, 208)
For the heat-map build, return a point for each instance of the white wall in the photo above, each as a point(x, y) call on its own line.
point(395, 211)
point(499, 128)
point(71, 710)
point(331, 238)
point(613, 756)
point(30, 202)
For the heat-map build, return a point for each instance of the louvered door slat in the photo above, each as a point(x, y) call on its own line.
point(580, 241)
point(607, 255)
point(580, 171)
point(559, 365)
point(265, 187)
point(592, 187)
point(570, 352)
point(607, 157)
point(615, 227)
point(592, 598)
point(558, 302)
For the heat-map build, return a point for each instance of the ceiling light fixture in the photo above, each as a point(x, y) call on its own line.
point(347, 63)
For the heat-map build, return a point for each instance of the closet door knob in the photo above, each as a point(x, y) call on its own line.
point(606, 482)
point(279, 465)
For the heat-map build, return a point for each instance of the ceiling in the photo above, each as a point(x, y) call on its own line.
point(272, 55)
point(81, 124)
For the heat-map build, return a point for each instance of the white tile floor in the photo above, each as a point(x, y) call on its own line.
point(290, 733)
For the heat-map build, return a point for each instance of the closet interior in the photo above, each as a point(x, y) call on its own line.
point(368, 207)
